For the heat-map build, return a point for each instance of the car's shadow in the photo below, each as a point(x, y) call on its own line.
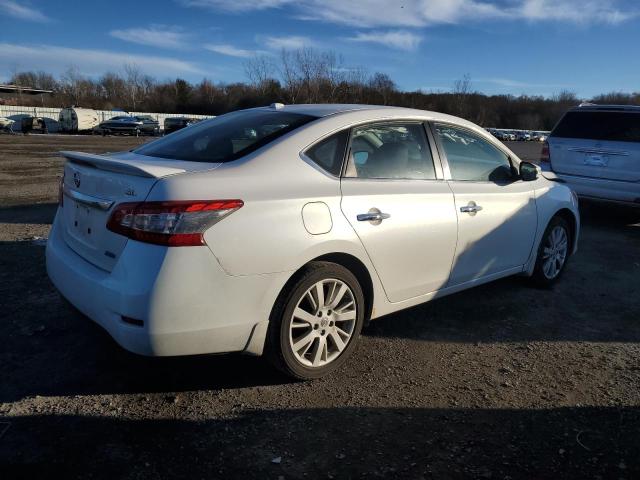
point(342, 442)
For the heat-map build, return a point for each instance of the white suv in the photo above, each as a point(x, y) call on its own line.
point(596, 150)
point(285, 229)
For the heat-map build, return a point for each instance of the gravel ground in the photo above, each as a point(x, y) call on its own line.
point(502, 381)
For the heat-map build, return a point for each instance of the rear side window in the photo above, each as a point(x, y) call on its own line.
point(605, 126)
point(329, 153)
point(225, 138)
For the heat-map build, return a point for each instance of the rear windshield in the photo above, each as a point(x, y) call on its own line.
point(611, 126)
point(226, 137)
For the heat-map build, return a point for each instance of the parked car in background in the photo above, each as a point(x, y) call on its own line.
point(132, 125)
point(596, 150)
point(501, 135)
point(6, 124)
point(540, 136)
point(283, 230)
point(75, 119)
point(31, 124)
point(173, 124)
point(523, 136)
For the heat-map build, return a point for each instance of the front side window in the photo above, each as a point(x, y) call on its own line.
point(329, 153)
point(390, 150)
point(225, 138)
point(472, 158)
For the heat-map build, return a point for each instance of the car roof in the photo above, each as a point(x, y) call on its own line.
point(375, 111)
point(611, 108)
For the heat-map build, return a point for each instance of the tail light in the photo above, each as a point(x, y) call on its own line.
point(174, 224)
point(60, 192)
point(545, 155)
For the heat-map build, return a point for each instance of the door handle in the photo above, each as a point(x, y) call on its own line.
point(472, 208)
point(374, 215)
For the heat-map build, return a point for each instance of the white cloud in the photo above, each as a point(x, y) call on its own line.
point(420, 13)
point(584, 11)
point(231, 51)
point(23, 12)
point(509, 83)
point(291, 42)
point(399, 39)
point(236, 5)
point(90, 62)
point(155, 36)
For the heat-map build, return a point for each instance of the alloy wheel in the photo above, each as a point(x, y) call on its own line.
point(555, 252)
point(322, 323)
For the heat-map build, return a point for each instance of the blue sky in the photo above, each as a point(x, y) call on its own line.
point(506, 46)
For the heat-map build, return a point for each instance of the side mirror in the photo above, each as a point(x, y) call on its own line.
point(528, 171)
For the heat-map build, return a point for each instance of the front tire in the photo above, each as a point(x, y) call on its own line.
point(316, 321)
point(553, 253)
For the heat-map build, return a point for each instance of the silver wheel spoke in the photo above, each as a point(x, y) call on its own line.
point(305, 316)
point(314, 304)
point(342, 332)
point(345, 307)
point(338, 341)
point(320, 294)
point(304, 341)
point(343, 317)
point(319, 351)
point(335, 301)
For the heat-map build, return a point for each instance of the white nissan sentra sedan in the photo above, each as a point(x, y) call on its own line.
point(283, 230)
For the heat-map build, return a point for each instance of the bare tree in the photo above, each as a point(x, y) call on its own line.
point(133, 81)
point(382, 84)
point(260, 71)
point(462, 89)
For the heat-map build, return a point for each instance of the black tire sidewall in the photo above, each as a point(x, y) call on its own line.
point(279, 348)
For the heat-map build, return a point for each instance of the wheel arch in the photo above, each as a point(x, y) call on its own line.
point(351, 263)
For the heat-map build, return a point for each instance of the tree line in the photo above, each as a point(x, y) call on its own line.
point(300, 76)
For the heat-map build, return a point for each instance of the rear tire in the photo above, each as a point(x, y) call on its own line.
point(316, 321)
point(553, 253)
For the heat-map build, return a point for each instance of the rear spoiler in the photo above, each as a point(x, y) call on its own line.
point(128, 167)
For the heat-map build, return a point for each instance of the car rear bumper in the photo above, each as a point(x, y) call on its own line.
point(180, 298)
point(627, 193)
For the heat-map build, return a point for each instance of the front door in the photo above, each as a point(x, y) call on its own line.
point(497, 217)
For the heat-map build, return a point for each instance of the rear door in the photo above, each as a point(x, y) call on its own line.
point(597, 144)
point(395, 198)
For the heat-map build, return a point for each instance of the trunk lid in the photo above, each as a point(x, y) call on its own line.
point(94, 184)
point(588, 158)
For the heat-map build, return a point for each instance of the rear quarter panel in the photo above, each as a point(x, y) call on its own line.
point(268, 235)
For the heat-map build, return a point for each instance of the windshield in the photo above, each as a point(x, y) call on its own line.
point(226, 137)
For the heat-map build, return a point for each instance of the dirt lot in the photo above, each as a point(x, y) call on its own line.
point(502, 381)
